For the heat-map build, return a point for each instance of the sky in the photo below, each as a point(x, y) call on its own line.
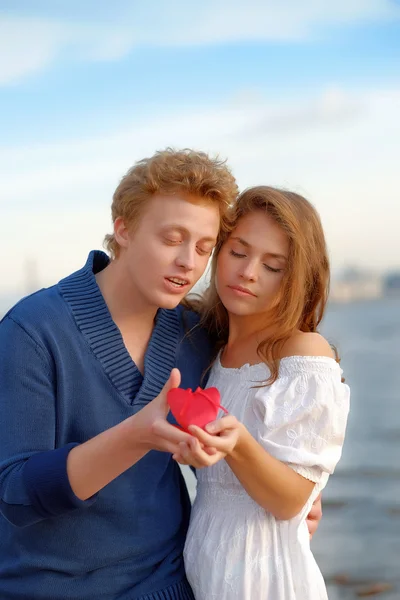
point(302, 95)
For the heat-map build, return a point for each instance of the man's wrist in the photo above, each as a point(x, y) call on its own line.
point(137, 433)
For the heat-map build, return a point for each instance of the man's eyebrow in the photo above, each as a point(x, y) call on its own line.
point(247, 245)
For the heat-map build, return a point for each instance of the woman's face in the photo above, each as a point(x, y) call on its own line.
point(251, 265)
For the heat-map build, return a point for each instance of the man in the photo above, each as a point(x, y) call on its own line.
point(92, 504)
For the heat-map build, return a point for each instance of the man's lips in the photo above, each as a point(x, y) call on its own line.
point(177, 284)
point(179, 280)
point(241, 290)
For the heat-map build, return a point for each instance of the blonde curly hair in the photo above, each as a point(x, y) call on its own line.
point(167, 172)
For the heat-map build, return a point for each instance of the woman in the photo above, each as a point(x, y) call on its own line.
point(281, 383)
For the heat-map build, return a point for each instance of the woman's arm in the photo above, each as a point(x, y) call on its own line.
point(272, 484)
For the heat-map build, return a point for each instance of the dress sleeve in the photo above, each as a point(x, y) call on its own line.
point(302, 416)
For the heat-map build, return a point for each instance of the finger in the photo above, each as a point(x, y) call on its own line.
point(312, 515)
point(179, 459)
point(174, 379)
point(204, 456)
point(166, 446)
point(316, 510)
point(203, 437)
point(173, 382)
point(216, 427)
point(311, 528)
point(194, 455)
point(207, 449)
point(317, 502)
point(169, 433)
point(186, 455)
point(195, 447)
point(212, 441)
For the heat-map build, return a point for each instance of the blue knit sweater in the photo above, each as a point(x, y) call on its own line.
point(65, 376)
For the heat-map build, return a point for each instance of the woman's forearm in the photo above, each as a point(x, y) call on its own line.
point(272, 484)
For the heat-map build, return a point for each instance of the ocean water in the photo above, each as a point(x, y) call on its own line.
point(357, 545)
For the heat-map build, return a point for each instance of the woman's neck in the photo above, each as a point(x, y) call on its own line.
point(245, 335)
point(247, 327)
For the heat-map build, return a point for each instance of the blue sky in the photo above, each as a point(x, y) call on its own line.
point(299, 94)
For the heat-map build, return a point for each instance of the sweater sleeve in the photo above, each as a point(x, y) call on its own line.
point(34, 484)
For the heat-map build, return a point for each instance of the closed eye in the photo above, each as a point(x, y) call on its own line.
point(267, 267)
point(204, 252)
point(272, 269)
point(237, 255)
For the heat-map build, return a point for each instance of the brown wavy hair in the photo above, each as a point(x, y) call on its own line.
point(305, 286)
point(167, 172)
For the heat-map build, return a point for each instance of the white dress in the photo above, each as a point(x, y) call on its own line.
point(235, 550)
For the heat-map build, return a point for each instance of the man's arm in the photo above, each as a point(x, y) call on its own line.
point(38, 481)
point(122, 446)
point(314, 516)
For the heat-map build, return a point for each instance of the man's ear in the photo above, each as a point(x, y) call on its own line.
point(121, 232)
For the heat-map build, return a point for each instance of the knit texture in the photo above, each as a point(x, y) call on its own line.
point(65, 377)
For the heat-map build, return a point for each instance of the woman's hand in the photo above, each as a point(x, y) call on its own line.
point(314, 516)
point(206, 448)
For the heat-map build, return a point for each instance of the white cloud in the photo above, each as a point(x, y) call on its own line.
point(232, 20)
point(331, 109)
point(55, 199)
point(29, 45)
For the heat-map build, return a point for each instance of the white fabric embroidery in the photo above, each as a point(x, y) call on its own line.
point(234, 549)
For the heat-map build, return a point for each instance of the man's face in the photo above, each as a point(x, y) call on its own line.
point(169, 249)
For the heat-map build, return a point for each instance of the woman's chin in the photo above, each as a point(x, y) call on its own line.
point(239, 308)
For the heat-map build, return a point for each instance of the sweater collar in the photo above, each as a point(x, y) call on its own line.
point(89, 309)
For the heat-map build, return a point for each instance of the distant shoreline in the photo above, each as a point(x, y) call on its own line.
point(8, 301)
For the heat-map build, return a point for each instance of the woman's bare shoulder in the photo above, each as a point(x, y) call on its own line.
point(307, 344)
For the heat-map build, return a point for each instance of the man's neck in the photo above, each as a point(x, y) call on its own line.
point(133, 316)
point(124, 302)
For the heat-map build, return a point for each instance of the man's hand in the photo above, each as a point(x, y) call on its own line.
point(206, 449)
point(118, 448)
point(151, 427)
point(314, 516)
